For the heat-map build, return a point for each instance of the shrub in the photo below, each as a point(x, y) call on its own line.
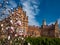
point(43, 41)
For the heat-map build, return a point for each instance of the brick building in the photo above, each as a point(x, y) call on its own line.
point(34, 31)
point(16, 24)
point(50, 30)
point(45, 30)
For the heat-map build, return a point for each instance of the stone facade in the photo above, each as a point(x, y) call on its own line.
point(33, 31)
point(16, 24)
point(50, 30)
point(45, 30)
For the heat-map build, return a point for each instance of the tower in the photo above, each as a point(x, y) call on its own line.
point(56, 23)
point(44, 22)
point(56, 29)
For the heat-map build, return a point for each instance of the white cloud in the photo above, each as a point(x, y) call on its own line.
point(59, 21)
point(12, 3)
point(54, 22)
point(9, 4)
point(31, 7)
point(51, 23)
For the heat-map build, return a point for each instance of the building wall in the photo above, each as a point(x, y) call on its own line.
point(50, 30)
point(33, 31)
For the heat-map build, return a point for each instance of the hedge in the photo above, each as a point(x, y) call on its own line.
point(43, 41)
point(32, 41)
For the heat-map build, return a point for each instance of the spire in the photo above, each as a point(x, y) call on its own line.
point(44, 22)
point(19, 4)
point(56, 23)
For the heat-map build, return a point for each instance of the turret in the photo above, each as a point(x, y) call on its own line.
point(44, 22)
point(56, 29)
point(56, 23)
point(20, 10)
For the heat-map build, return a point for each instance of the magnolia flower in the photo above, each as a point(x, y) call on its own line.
point(18, 23)
point(2, 28)
point(22, 38)
point(1, 25)
point(7, 27)
point(29, 44)
point(15, 35)
point(21, 31)
point(8, 37)
point(11, 21)
point(12, 28)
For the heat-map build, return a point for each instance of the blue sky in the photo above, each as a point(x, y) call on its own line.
point(37, 10)
point(50, 10)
